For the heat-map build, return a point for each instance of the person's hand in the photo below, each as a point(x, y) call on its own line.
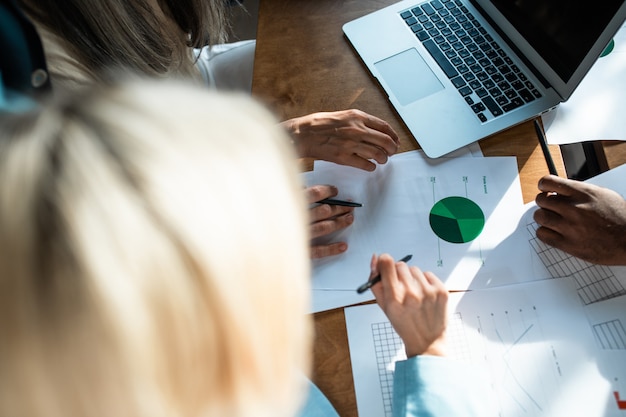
point(415, 303)
point(582, 219)
point(348, 137)
point(327, 219)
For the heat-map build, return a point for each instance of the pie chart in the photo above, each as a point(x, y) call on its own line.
point(457, 219)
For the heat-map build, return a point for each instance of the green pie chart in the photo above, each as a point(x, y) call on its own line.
point(457, 219)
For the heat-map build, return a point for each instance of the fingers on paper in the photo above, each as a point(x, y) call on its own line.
point(548, 217)
point(319, 192)
point(358, 161)
point(334, 214)
point(550, 237)
point(323, 251)
point(332, 223)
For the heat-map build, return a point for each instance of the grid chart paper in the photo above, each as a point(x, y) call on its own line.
point(458, 347)
point(389, 349)
point(387, 345)
point(594, 282)
point(610, 335)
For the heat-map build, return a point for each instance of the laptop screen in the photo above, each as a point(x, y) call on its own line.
point(561, 31)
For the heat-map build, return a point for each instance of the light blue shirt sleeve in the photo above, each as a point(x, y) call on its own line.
point(316, 405)
point(424, 386)
point(427, 386)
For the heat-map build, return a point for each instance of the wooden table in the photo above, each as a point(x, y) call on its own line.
point(611, 153)
point(304, 64)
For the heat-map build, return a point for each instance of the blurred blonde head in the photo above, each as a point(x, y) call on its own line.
point(153, 257)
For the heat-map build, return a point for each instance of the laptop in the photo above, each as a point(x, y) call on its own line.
point(457, 71)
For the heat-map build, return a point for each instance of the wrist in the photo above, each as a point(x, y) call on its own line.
point(437, 348)
point(292, 128)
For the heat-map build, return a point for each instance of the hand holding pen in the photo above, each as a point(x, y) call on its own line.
point(376, 279)
point(415, 303)
point(327, 215)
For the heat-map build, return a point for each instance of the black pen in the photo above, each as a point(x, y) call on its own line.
point(335, 202)
point(376, 279)
point(544, 148)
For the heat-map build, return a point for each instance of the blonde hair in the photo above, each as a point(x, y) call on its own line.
point(154, 257)
point(149, 37)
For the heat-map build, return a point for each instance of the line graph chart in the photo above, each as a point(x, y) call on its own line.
point(594, 282)
point(514, 335)
point(499, 341)
point(535, 343)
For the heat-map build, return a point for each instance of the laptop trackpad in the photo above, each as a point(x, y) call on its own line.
point(408, 76)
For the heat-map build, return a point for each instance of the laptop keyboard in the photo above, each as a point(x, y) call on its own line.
point(477, 66)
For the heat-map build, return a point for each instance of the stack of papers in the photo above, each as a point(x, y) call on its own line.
point(551, 338)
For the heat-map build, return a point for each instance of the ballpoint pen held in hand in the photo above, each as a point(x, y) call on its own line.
point(377, 278)
point(336, 202)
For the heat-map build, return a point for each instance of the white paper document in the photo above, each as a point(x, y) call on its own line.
point(542, 355)
point(458, 217)
point(553, 346)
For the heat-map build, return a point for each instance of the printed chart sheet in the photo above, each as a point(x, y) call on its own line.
point(554, 345)
point(458, 217)
point(534, 340)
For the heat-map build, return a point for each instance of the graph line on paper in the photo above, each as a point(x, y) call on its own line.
point(498, 340)
point(516, 331)
point(389, 349)
point(610, 335)
point(594, 282)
